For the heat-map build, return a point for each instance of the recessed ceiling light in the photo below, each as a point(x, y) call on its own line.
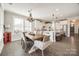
point(57, 9)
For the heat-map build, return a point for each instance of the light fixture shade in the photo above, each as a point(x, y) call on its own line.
point(30, 18)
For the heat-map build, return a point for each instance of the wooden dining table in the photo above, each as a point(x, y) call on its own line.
point(34, 37)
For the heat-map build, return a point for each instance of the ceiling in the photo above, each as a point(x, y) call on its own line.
point(44, 10)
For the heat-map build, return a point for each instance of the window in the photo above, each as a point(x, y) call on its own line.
point(18, 24)
point(22, 25)
point(28, 26)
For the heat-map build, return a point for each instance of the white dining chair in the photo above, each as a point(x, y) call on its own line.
point(41, 44)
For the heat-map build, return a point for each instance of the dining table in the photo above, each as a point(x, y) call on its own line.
point(34, 37)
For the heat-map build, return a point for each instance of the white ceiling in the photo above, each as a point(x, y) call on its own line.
point(45, 10)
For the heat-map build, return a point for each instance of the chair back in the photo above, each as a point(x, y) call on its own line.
point(26, 38)
point(23, 36)
point(45, 38)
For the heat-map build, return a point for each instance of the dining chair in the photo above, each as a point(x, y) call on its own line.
point(26, 42)
point(41, 44)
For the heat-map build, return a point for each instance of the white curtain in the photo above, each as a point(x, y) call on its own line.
point(20, 25)
point(17, 28)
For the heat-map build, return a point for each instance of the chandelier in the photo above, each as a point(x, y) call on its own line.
point(30, 18)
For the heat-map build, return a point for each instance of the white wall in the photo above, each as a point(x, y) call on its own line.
point(1, 28)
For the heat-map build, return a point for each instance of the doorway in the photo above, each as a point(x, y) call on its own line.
point(71, 29)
